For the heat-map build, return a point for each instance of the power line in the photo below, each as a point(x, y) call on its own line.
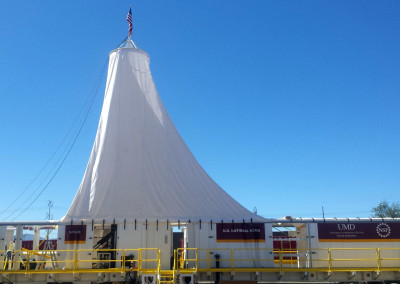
point(65, 153)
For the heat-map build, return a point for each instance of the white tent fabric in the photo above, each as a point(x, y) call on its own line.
point(140, 168)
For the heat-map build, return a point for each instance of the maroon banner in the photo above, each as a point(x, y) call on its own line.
point(359, 232)
point(75, 234)
point(240, 232)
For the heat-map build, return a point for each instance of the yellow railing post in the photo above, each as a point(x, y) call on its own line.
point(208, 259)
point(232, 259)
point(280, 262)
point(158, 266)
point(329, 260)
point(378, 258)
point(174, 262)
point(28, 256)
point(140, 259)
point(197, 259)
point(159, 259)
point(123, 266)
point(75, 260)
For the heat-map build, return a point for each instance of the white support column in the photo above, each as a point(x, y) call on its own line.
point(36, 237)
point(3, 238)
point(17, 247)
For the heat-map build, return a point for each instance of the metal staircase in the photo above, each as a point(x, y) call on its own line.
point(166, 276)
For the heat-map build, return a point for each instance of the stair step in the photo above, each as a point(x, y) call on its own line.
point(166, 277)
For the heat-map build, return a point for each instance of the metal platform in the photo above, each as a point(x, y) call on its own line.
point(189, 266)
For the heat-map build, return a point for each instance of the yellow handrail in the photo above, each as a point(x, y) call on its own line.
point(201, 260)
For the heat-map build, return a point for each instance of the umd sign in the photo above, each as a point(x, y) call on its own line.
point(358, 232)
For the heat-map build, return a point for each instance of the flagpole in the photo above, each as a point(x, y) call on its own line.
point(129, 41)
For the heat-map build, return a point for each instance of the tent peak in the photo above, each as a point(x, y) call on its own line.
point(127, 43)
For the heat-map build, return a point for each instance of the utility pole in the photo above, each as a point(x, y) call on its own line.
point(48, 245)
point(50, 205)
point(49, 217)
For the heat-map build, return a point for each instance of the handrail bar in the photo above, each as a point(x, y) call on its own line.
point(233, 259)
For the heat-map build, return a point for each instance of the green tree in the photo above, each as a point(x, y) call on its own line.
point(385, 210)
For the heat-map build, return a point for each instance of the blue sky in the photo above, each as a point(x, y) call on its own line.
point(288, 105)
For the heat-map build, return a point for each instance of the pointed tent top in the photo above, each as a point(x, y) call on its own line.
point(127, 43)
point(140, 167)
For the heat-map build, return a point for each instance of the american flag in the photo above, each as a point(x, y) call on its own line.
point(129, 19)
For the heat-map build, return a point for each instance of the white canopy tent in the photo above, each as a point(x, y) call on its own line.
point(140, 168)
